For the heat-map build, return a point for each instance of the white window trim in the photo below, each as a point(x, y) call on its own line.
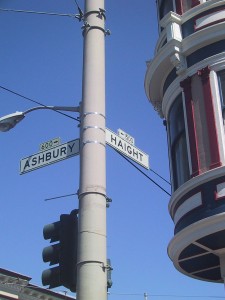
point(218, 112)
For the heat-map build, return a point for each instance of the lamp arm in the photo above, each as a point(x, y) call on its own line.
point(60, 108)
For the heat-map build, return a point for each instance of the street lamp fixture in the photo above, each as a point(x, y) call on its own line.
point(9, 121)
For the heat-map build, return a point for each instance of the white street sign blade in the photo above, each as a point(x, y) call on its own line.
point(50, 156)
point(127, 149)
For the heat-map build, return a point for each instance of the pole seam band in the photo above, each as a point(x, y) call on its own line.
point(93, 127)
point(100, 12)
point(93, 142)
point(93, 113)
point(92, 262)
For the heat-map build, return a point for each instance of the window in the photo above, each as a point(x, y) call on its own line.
point(165, 7)
point(221, 79)
point(178, 145)
point(186, 5)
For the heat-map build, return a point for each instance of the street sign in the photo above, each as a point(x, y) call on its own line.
point(50, 156)
point(50, 144)
point(126, 136)
point(113, 140)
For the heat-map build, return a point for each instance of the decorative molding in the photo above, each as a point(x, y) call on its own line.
point(16, 286)
point(179, 62)
point(204, 74)
point(194, 232)
point(158, 107)
point(169, 18)
point(209, 19)
point(187, 206)
point(194, 183)
point(200, 9)
point(220, 191)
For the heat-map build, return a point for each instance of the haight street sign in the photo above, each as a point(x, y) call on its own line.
point(50, 156)
point(127, 149)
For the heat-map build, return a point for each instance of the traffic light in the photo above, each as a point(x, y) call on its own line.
point(63, 253)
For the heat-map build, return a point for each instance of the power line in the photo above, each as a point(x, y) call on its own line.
point(39, 12)
point(143, 173)
point(59, 197)
point(185, 296)
point(160, 176)
point(166, 295)
point(36, 102)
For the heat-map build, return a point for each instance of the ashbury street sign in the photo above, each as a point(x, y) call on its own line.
point(50, 156)
point(127, 149)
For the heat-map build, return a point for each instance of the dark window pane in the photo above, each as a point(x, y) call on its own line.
point(221, 76)
point(176, 118)
point(180, 161)
point(165, 7)
point(178, 145)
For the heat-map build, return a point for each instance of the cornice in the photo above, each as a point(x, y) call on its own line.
point(200, 9)
point(194, 232)
point(160, 65)
point(202, 38)
point(25, 291)
point(171, 17)
point(193, 183)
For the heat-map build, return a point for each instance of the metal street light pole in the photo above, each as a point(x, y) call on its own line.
point(92, 261)
point(91, 267)
point(10, 121)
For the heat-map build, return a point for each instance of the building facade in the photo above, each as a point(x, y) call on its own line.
point(15, 286)
point(185, 82)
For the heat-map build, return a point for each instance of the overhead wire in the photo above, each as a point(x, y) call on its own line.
point(159, 176)
point(59, 197)
point(166, 295)
point(143, 173)
point(37, 102)
point(38, 12)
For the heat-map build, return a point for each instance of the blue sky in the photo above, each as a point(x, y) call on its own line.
point(41, 58)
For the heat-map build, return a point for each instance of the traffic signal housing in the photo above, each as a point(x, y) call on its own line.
point(109, 274)
point(63, 253)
